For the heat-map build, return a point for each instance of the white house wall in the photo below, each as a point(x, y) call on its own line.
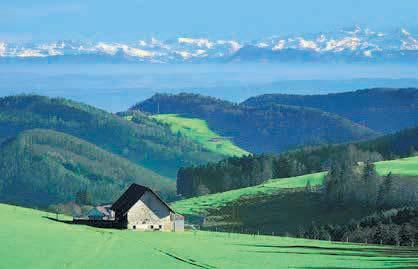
point(149, 211)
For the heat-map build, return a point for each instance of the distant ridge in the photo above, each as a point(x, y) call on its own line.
point(384, 110)
point(271, 128)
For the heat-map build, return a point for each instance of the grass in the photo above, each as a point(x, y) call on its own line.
point(28, 240)
point(403, 167)
point(198, 131)
point(200, 205)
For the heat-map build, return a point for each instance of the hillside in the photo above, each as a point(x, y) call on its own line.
point(70, 246)
point(235, 173)
point(144, 141)
point(403, 167)
point(43, 167)
point(198, 131)
point(383, 110)
point(198, 205)
point(263, 129)
point(282, 205)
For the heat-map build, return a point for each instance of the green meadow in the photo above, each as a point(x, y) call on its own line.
point(403, 167)
point(198, 131)
point(29, 240)
point(200, 205)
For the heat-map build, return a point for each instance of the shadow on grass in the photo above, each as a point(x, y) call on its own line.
point(106, 224)
point(402, 252)
point(58, 220)
point(400, 257)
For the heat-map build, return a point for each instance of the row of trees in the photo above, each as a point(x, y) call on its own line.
point(240, 172)
point(391, 227)
point(234, 173)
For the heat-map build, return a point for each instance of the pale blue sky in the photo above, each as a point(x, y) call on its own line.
point(135, 19)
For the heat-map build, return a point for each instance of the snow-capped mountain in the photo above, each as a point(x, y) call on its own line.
point(348, 45)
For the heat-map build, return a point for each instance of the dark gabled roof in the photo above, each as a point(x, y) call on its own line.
point(131, 196)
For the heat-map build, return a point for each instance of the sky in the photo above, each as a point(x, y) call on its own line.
point(128, 20)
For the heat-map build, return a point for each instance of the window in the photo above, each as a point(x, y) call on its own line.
point(160, 226)
point(152, 226)
point(134, 227)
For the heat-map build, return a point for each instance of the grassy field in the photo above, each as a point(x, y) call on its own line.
point(198, 131)
point(29, 240)
point(403, 167)
point(200, 205)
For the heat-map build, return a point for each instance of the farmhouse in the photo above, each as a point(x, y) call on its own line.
point(140, 208)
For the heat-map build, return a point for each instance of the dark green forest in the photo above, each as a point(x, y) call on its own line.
point(39, 168)
point(394, 200)
point(398, 226)
point(144, 141)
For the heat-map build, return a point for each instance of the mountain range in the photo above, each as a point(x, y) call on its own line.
point(353, 44)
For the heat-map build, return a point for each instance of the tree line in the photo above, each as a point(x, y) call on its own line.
point(391, 227)
point(251, 170)
point(349, 184)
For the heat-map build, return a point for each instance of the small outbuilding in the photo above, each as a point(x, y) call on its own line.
point(140, 208)
point(102, 212)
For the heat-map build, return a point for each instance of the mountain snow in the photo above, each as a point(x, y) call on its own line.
point(351, 42)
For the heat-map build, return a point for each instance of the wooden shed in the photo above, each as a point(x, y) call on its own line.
point(140, 208)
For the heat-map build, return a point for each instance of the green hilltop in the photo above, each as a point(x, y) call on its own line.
point(198, 131)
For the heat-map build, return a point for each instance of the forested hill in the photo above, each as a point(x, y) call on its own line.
point(272, 128)
point(234, 173)
point(39, 168)
point(383, 110)
point(144, 141)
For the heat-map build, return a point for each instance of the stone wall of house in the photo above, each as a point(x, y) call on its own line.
point(149, 213)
